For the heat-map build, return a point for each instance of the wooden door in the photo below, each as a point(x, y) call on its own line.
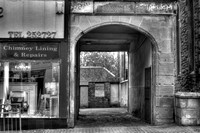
point(147, 94)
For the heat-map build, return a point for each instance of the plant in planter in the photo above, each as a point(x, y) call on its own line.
point(187, 104)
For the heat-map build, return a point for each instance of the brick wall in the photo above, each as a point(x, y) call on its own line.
point(98, 102)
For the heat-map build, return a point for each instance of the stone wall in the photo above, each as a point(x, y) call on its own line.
point(196, 23)
point(188, 70)
point(96, 101)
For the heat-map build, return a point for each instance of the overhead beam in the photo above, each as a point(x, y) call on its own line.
point(105, 47)
point(94, 41)
point(109, 36)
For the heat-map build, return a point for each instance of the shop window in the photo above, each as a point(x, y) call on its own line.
point(30, 87)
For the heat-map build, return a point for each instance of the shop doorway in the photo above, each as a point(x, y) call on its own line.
point(139, 48)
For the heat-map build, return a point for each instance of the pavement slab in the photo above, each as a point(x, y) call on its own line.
point(114, 121)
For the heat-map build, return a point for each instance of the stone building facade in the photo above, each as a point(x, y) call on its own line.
point(160, 36)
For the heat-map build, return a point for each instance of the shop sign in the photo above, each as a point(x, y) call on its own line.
point(31, 51)
point(31, 34)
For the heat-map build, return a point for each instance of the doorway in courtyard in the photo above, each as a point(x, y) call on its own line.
point(114, 75)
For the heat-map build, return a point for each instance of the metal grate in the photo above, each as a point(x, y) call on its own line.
point(10, 120)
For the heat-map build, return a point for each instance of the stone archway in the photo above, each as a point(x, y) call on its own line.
point(161, 32)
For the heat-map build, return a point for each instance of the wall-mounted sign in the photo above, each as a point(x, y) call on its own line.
point(34, 51)
point(99, 90)
point(31, 34)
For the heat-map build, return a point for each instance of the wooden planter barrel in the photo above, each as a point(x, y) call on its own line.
point(187, 108)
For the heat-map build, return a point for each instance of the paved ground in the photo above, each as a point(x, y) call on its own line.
point(116, 120)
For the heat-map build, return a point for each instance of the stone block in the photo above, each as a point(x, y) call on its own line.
point(166, 57)
point(165, 33)
point(115, 18)
point(193, 103)
point(105, 19)
point(178, 112)
point(168, 22)
point(187, 109)
point(125, 19)
point(166, 68)
point(181, 103)
point(165, 80)
point(187, 122)
point(84, 23)
point(155, 31)
point(190, 113)
point(187, 113)
point(166, 113)
point(74, 31)
point(137, 20)
point(165, 46)
point(167, 102)
point(150, 22)
point(94, 20)
point(74, 20)
point(163, 121)
point(164, 90)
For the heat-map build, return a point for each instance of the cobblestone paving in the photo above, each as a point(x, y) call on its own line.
point(121, 129)
point(116, 123)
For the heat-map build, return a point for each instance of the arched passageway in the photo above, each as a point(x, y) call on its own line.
point(134, 91)
point(146, 77)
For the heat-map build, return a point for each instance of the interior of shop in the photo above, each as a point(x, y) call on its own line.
point(29, 87)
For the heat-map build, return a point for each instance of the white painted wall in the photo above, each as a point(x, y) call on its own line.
point(123, 96)
point(114, 96)
point(84, 96)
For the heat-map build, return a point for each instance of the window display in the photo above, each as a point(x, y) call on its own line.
point(31, 87)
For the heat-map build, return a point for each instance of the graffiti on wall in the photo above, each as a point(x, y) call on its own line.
point(123, 7)
point(85, 7)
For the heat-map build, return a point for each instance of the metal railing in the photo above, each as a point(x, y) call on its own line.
point(10, 120)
